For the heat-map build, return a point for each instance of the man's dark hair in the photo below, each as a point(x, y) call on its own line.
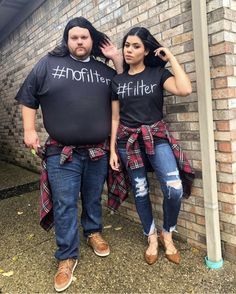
point(150, 44)
point(98, 38)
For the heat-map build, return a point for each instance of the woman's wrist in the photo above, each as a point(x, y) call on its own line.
point(172, 59)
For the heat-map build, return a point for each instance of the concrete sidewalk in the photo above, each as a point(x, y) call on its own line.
point(27, 264)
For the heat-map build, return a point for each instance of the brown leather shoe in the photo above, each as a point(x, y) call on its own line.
point(99, 245)
point(64, 275)
point(174, 257)
point(151, 259)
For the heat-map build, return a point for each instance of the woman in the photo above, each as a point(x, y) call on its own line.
point(140, 137)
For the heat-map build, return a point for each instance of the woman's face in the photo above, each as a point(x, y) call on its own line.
point(134, 51)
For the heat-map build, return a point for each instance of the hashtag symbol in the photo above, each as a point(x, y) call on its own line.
point(121, 90)
point(59, 73)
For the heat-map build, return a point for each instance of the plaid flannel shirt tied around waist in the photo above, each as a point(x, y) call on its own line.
point(46, 205)
point(118, 183)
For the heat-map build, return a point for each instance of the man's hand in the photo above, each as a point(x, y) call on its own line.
point(31, 139)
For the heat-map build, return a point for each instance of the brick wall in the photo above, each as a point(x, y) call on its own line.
point(222, 41)
point(171, 23)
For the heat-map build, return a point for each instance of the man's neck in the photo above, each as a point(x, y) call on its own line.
point(87, 59)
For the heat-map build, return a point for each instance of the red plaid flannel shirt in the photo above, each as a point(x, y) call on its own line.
point(46, 206)
point(118, 184)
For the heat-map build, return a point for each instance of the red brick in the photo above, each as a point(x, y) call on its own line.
point(227, 188)
point(230, 249)
point(232, 124)
point(222, 71)
point(228, 198)
point(192, 234)
point(221, 48)
point(200, 220)
point(228, 208)
point(223, 93)
point(224, 157)
point(225, 167)
point(220, 82)
point(234, 156)
point(194, 209)
point(181, 222)
point(233, 135)
point(222, 136)
point(182, 38)
point(222, 125)
point(197, 191)
point(196, 244)
point(229, 228)
point(225, 146)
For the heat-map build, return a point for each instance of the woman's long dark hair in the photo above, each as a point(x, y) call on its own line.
point(97, 37)
point(150, 44)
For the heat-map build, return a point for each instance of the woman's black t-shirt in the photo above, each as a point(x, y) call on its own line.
point(140, 96)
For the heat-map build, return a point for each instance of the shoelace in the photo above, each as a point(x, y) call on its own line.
point(156, 241)
point(97, 238)
point(65, 267)
point(167, 244)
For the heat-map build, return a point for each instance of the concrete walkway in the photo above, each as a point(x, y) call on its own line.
point(27, 264)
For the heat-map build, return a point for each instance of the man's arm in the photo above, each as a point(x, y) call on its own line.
point(31, 138)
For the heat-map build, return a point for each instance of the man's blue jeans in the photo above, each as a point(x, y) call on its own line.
point(66, 182)
point(164, 164)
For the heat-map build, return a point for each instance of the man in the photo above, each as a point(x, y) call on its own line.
point(73, 90)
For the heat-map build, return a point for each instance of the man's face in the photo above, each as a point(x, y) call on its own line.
point(80, 42)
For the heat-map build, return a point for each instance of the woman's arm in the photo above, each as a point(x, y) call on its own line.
point(179, 84)
point(114, 126)
point(110, 51)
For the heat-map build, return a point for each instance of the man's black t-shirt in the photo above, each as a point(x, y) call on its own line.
point(75, 98)
point(140, 96)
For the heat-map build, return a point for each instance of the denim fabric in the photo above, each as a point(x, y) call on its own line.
point(66, 182)
point(164, 165)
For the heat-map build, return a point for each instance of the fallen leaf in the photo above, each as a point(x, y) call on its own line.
point(118, 228)
point(33, 151)
point(8, 274)
point(30, 236)
point(195, 250)
point(14, 258)
point(107, 227)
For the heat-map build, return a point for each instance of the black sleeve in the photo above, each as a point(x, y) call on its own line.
point(114, 95)
point(165, 75)
point(28, 94)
